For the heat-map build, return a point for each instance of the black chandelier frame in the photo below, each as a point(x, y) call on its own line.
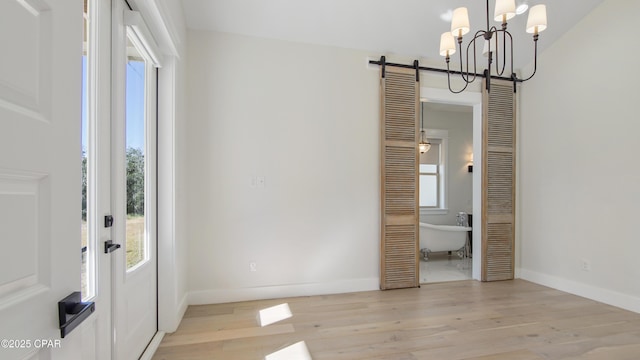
point(487, 35)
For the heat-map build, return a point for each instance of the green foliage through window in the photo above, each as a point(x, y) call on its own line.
point(135, 181)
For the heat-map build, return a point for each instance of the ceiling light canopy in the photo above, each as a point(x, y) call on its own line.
point(494, 41)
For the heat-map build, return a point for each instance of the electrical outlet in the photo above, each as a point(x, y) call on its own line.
point(260, 181)
point(253, 267)
point(586, 265)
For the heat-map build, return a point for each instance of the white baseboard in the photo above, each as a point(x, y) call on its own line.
point(182, 308)
point(606, 296)
point(217, 296)
point(153, 346)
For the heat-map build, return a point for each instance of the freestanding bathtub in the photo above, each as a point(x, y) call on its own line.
point(434, 238)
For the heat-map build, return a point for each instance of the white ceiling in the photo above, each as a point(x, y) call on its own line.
point(409, 28)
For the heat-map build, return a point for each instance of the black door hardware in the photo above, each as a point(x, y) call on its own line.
point(109, 246)
point(72, 311)
point(108, 221)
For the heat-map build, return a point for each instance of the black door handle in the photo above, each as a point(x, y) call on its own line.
point(109, 246)
point(72, 311)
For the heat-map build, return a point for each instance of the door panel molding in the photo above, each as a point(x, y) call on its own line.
point(25, 80)
point(25, 197)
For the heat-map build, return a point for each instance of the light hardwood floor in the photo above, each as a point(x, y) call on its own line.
point(457, 320)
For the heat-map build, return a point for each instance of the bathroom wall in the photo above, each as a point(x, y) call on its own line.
point(578, 161)
point(459, 180)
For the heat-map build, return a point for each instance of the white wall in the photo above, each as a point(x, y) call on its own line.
point(306, 118)
point(460, 146)
point(578, 160)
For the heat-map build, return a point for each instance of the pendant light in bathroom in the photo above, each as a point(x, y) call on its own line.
point(424, 145)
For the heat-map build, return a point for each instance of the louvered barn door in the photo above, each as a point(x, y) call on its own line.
point(399, 179)
point(498, 182)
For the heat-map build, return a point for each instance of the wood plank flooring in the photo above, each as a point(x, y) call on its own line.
point(457, 320)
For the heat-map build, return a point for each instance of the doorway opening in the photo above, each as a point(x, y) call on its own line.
point(450, 184)
point(446, 193)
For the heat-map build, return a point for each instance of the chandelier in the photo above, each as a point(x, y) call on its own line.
point(504, 10)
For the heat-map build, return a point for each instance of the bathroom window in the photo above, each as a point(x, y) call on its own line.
point(433, 174)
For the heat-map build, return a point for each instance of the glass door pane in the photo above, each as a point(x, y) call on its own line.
point(135, 157)
point(87, 244)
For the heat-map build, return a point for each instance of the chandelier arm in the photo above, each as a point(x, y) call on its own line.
point(511, 48)
point(504, 51)
point(466, 74)
point(493, 31)
point(479, 33)
point(497, 52)
point(535, 57)
point(449, 81)
point(461, 67)
point(474, 62)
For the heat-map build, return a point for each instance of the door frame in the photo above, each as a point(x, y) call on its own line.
point(172, 296)
point(99, 168)
point(473, 99)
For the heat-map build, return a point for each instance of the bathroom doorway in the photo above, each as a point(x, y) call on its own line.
point(449, 187)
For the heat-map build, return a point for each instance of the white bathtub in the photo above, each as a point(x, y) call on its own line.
point(434, 238)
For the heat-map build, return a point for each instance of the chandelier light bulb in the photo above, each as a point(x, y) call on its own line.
point(505, 10)
point(460, 22)
point(537, 21)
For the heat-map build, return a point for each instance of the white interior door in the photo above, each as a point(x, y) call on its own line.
point(40, 178)
point(134, 183)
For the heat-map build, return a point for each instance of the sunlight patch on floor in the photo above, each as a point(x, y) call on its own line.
point(274, 314)
point(297, 351)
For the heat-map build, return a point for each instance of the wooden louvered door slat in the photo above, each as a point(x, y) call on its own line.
point(498, 187)
point(399, 179)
